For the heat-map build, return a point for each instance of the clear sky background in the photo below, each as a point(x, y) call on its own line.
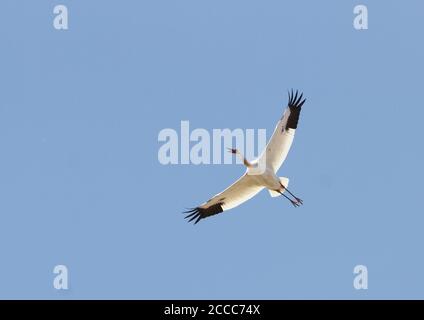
point(81, 185)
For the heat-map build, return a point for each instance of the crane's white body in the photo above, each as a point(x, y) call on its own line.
point(260, 173)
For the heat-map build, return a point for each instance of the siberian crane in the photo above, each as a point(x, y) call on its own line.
point(261, 172)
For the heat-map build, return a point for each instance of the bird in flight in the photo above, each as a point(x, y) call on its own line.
point(260, 173)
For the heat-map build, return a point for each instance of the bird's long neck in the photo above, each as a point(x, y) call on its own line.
point(245, 162)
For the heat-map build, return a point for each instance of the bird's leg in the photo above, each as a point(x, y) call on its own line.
point(297, 199)
point(294, 203)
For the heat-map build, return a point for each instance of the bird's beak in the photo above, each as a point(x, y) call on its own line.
point(233, 151)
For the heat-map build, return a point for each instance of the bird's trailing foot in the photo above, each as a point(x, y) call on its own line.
point(300, 201)
point(295, 203)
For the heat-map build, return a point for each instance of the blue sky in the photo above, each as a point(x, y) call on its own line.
point(81, 185)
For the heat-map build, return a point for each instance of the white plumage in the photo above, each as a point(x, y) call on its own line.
point(260, 173)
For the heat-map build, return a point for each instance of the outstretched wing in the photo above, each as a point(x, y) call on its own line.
point(281, 140)
point(240, 191)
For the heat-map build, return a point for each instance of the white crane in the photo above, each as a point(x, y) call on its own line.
point(260, 173)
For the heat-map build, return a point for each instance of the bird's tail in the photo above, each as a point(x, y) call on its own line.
point(285, 182)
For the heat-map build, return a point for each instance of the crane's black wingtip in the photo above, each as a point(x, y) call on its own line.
point(295, 100)
point(193, 213)
point(295, 105)
point(200, 213)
